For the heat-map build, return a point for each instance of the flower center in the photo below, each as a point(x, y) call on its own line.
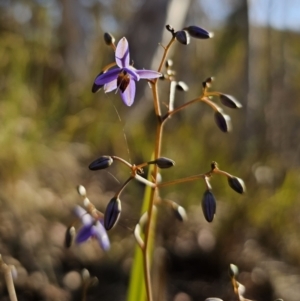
point(123, 81)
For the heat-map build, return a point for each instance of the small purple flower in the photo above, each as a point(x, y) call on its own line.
point(123, 77)
point(92, 228)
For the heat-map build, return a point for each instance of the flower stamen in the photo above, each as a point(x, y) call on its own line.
point(123, 81)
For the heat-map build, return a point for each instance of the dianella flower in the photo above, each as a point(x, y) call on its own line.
point(91, 228)
point(124, 76)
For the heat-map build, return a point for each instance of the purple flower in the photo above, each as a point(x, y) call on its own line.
point(123, 77)
point(92, 228)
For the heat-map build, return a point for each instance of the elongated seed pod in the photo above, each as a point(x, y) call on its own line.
point(209, 205)
point(101, 163)
point(223, 121)
point(237, 184)
point(229, 101)
point(112, 213)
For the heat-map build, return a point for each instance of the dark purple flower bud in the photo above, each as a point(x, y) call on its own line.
point(100, 234)
point(198, 32)
point(70, 236)
point(180, 213)
point(181, 86)
point(233, 270)
point(182, 37)
point(237, 184)
point(95, 87)
point(229, 101)
point(101, 163)
point(223, 121)
point(108, 38)
point(209, 205)
point(112, 213)
point(163, 162)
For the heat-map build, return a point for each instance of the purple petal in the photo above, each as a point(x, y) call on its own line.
point(132, 72)
point(100, 234)
point(129, 93)
point(148, 74)
point(107, 77)
point(110, 86)
point(122, 53)
point(79, 211)
point(84, 234)
point(87, 220)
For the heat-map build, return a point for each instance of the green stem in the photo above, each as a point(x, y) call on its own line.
point(150, 226)
point(158, 141)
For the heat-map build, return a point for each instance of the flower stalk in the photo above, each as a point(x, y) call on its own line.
point(121, 76)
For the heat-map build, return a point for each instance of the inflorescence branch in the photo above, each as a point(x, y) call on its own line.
point(121, 76)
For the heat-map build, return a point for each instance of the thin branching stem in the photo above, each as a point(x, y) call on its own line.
point(185, 105)
point(174, 111)
point(183, 180)
point(122, 160)
point(145, 181)
point(167, 48)
point(213, 94)
point(117, 195)
point(221, 172)
point(9, 282)
point(211, 104)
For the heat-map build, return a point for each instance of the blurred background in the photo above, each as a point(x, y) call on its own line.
point(53, 127)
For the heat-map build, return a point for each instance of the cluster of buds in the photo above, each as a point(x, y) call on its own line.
point(95, 224)
point(113, 209)
point(209, 204)
point(222, 120)
point(184, 36)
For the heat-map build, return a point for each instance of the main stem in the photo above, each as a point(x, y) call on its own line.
point(158, 142)
point(150, 223)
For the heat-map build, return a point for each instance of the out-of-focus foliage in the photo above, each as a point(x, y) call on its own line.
point(53, 127)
